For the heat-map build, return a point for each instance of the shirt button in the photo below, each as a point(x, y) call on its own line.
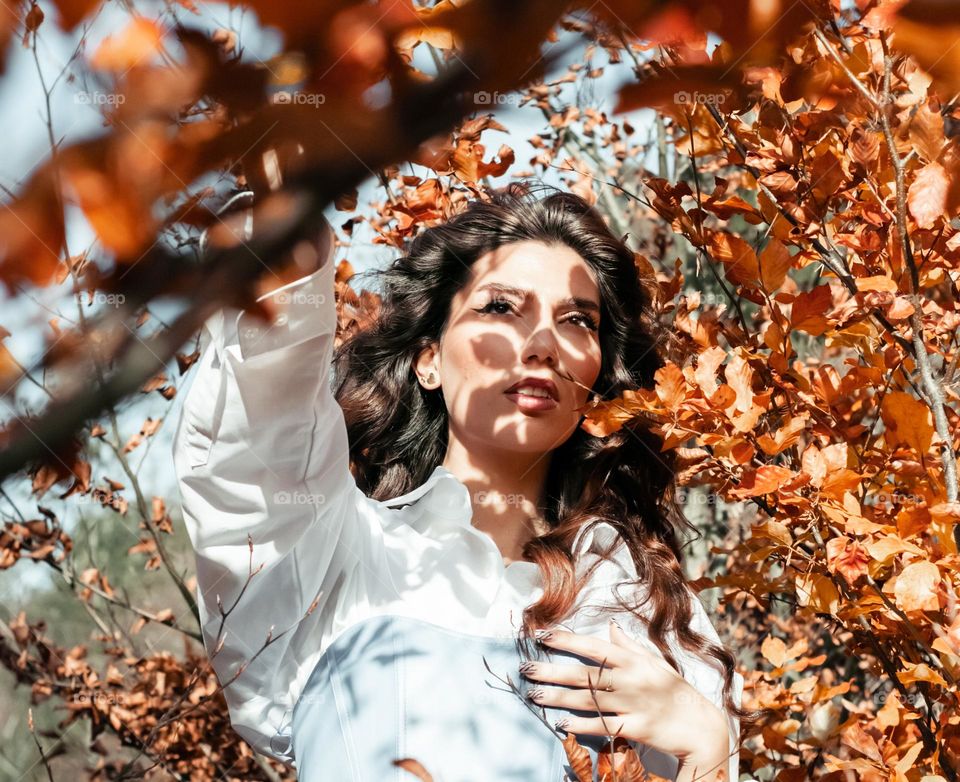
point(280, 744)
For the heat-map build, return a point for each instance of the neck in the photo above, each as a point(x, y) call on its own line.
point(506, 489)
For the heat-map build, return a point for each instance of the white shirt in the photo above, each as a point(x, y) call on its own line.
point(261, 452)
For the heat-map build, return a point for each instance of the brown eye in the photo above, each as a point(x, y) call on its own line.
point(588, 320)
point(495, 303)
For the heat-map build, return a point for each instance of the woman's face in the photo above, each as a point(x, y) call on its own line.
point(527, 310)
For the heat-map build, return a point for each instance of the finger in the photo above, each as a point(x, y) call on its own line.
point(587, 646)
point(594, 726)
point(573, 675)
point(596, 702)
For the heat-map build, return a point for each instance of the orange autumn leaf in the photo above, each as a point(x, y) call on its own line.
point(809, 310)
point(738, 257)
point(437, 37)
point(72, 12)
point(775, 650)
point(908, 420)
point(816, 592)
point(814, 464)
point(620, 762)
point(10, 368)
point(763, 480)
point(944, 517)
point(838, 482)
point(916, 587)
point(706, 372)
point(727, 207)
point(580, 761)
point(671, 386)
point(847, 557)
point(876, 283)
point(739, 375)
point(415, 767)
point(135, 45)
point(885, 548)
point(920, 672)
point(774, 263)
point(32, 232)
point(948, 638)
point(607, 417)
point(927, 196)
point(786, 436)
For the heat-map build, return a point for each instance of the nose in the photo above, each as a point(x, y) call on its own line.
point(542, 345)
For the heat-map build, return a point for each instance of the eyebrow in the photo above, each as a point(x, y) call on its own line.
point(521, 293)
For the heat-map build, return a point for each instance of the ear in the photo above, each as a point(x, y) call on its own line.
point(427, 361)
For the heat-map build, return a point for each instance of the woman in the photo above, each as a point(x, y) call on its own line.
point(357, 617)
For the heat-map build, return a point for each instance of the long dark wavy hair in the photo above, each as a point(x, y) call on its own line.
point(398, 430)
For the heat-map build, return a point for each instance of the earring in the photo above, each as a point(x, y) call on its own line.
point(430, 378)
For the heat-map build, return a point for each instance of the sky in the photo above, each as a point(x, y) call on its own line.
point(60, 62)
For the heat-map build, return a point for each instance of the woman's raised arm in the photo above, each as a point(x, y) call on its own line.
point(286, 544)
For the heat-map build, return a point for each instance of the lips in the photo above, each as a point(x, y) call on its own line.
point(536, 382)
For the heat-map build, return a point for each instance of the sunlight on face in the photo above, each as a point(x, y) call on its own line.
point(497, 336)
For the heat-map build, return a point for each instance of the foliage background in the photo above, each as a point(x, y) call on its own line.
point(787, 175)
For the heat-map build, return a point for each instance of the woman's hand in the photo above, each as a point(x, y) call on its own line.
point(639, 695)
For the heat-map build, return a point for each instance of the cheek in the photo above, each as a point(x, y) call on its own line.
point(473, 356)
point(586, 368)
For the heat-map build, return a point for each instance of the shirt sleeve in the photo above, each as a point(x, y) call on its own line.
point(261, 453)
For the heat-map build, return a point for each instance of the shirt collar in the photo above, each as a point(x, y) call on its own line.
point(443, 492)
point(443, 501)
